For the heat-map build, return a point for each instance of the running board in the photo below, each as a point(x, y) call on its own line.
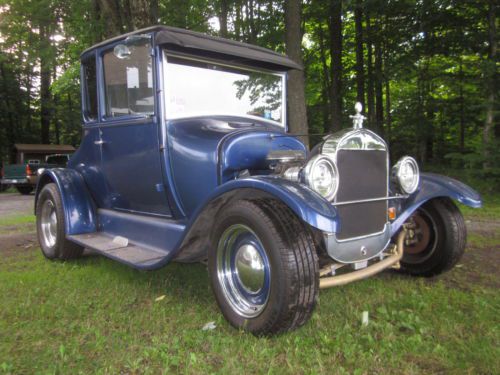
point(119, 248)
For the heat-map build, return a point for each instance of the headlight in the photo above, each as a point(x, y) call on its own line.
point(322, 176)
point(405, 173)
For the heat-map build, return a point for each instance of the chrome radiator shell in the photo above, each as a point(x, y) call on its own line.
point(362, 200)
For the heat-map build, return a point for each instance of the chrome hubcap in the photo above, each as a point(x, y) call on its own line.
point(243, 270)
point(48, 223)
point(250, 268)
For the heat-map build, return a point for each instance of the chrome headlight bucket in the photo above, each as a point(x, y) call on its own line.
point(406, 175)
point(321, 174)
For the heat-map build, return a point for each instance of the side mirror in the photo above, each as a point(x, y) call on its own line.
point(121, 51)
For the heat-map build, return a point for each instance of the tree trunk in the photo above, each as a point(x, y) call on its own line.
point(325, 82)
point(360, 69)
point(153, 12)
point(370, 86)
point(335, 25)
point(379, 96)
point(112, 16)
point(45, 73)
point(224, 9)
point(461, 104)
point(297, 114)
point(490, 77)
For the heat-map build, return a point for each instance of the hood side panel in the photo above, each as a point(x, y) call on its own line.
point(207, 151)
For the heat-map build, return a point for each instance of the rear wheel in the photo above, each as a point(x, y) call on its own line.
point(436, 238)
point(50, 226)
point(24, 190)
point(263, 267)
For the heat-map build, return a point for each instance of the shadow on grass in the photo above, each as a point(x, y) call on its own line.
point(180, 281)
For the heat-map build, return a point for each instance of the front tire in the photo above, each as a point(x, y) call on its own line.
point(24, 190)
point(437, 238)
point(50, 226)
point(263, 267)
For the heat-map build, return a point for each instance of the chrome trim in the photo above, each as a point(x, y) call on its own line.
point(361, 140)
point(48, 223)
point(357, 249)
point(396, 178)
point(358, 118)
point(309, 167)
point(230, 266)
point(371, 200)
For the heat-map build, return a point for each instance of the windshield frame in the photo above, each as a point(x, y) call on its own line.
point(178, 55)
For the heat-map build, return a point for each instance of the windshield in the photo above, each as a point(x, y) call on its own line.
point(57, 159)
point(195, 88)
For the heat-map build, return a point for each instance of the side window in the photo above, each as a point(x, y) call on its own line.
point(128, 78)
point(90, 85)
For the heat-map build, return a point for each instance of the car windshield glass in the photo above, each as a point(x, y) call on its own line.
point(196, 88)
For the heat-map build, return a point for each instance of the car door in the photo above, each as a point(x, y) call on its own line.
point(128, 131)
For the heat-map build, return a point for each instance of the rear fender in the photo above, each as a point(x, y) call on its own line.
point(433, 186)
point(79, 208)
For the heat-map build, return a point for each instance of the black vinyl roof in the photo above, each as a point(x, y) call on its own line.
point(194, 43)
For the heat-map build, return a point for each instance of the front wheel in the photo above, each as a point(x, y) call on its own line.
point(436, 238)
point(50, 226)
point(263, 267)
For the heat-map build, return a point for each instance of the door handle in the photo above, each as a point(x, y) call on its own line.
point(99, 142)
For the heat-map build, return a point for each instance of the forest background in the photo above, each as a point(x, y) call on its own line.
point(426, 70)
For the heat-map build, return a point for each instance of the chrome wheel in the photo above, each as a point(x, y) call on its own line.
point(48, 223)
point(243, 270)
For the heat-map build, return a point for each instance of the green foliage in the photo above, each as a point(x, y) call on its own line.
point(434, 65)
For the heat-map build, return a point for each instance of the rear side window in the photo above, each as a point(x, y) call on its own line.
point(90, 85)
point(128, 77)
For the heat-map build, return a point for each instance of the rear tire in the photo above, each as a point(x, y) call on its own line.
point(439, 240)
point(24, 190)
point(50, 225)
point(263, 267)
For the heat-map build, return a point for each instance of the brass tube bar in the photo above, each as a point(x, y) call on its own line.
point(328, 282)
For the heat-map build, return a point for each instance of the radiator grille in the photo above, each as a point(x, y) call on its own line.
point(363, 175)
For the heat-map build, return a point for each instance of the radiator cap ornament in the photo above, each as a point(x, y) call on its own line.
point(358, 118)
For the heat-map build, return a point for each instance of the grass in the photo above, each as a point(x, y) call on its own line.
point(93, 315)
point(17, 219)
point(96, 316)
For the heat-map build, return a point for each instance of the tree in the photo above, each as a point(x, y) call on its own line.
point(335, 26)
point(297, 115)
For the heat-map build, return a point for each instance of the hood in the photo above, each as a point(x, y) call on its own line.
point(205, 152)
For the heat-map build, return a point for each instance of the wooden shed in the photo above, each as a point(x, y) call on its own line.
point(26, 152)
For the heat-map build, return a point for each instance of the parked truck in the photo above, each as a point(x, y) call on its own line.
point(30, 159)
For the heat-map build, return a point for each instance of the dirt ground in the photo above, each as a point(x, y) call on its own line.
point(16, 204)
point(478, 266)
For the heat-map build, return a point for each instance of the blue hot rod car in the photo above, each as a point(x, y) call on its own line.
point(185, 157)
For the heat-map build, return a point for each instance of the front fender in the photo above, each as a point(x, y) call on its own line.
point(433, 186)
point(79, 208)
point(307, 204)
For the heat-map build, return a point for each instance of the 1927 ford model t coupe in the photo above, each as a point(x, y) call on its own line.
point(185, 157)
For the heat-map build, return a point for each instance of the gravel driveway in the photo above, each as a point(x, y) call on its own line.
point(16, 204)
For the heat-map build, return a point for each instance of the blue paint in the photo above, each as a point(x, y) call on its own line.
point(79, 208)
point(149, 178)
point(433, 186)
